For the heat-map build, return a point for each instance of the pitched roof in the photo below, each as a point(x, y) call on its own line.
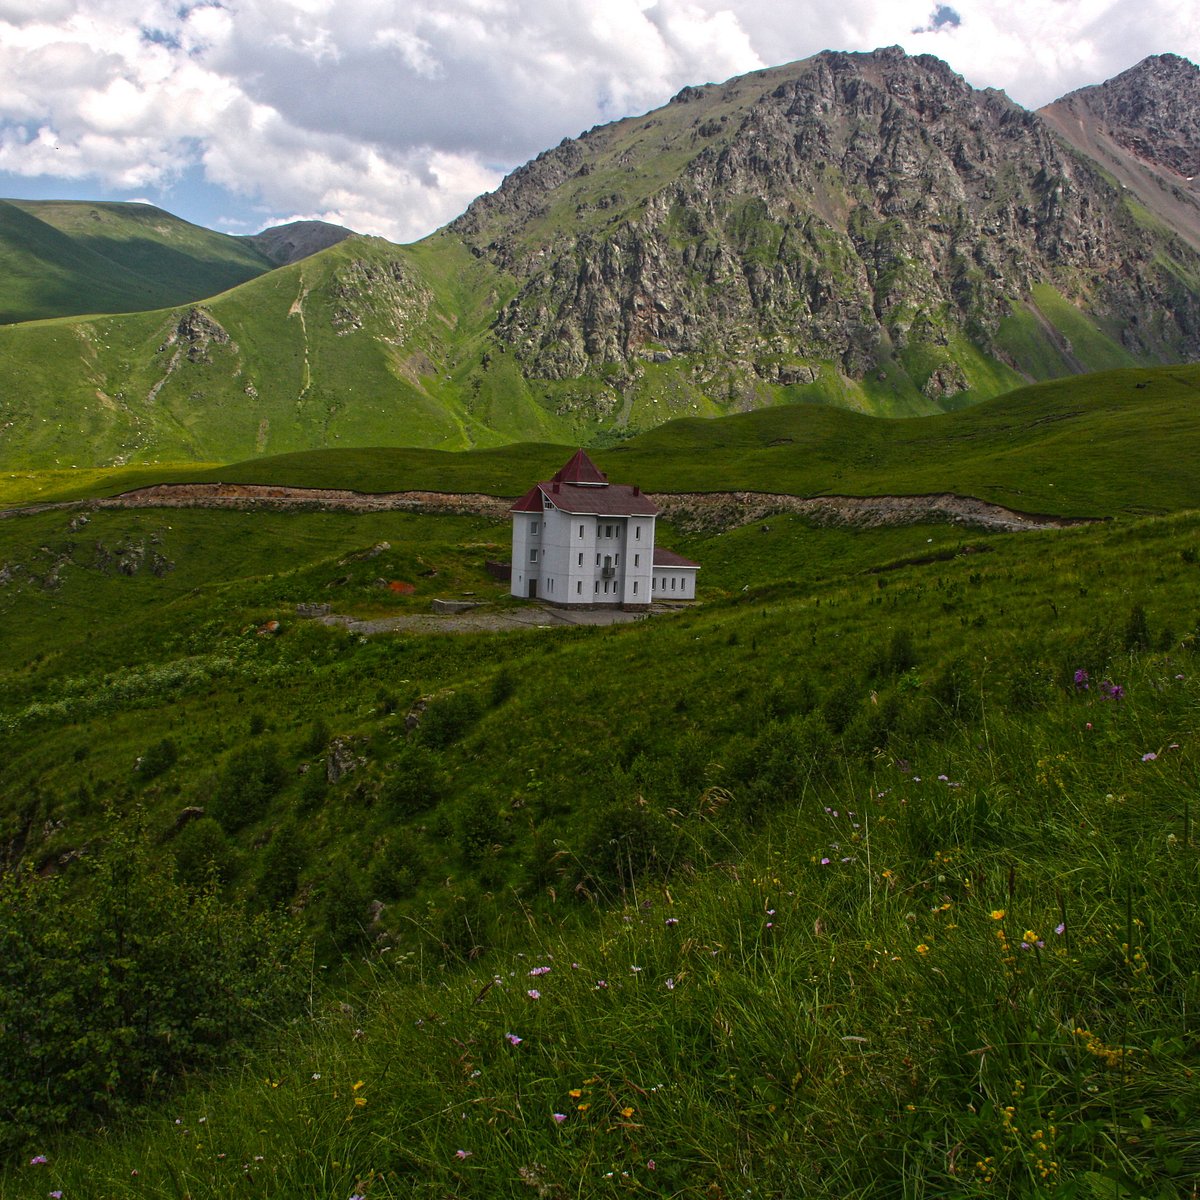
point(612, 500)
point(579, 469)
point(668, 558)
point(581, 489)
point(530, 502)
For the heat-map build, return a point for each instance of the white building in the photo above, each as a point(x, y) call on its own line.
point(580, 540)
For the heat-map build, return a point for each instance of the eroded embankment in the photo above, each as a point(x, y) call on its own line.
point(690, 511)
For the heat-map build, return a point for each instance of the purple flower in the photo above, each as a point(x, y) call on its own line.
point(824, 862)
point(463, 1153)
point(56, 1196)
point(512, 1039)
point(672, 921)
point(534, 994)
point(1060, 928)
point(559, 1118)
point(670, 985)
point(1149, 757)
point(540, 971)
point(1112, 691)
point(38, 1160)
point(1081, 680)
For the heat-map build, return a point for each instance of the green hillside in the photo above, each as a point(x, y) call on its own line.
point(1083, 446)
point(61, 258)
point(892, 851)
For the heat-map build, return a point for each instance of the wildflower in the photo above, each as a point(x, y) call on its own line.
point(463, 1153)
point(534, 994)
point(316, 1076)
point(601, 983)
point(651, 1165)
point(512, 1039)
point(1030, 936)
point(1081, 680)
point(634, 968)
point(38, 1160)
point(358, 1086)
point(1149, 757)
point(575, 1093)
point(540, 971)
point(825, 862)
point(627, 1113)
point(1060, 928)
point(559, 1118)
point(56, 1196)
point(922, 949)
point(671, 921)
point(670, 984)
point(998, 914)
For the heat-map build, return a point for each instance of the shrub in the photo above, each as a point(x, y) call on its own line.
point(449, 719)
point(202, 854)
point(251, 776)
point(109, 991)
point(411, 785)
point(157, 758)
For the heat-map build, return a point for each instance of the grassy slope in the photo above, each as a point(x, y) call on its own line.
point(70, 257)
point(352, 346)
point(799, 1007)
point(1076, 447)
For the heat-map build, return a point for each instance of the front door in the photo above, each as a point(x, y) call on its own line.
point(533, 589)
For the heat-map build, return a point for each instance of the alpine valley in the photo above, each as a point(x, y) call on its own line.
point(870, 873)
point(863, 230)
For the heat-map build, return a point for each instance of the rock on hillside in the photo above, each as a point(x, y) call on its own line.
point(872, 211)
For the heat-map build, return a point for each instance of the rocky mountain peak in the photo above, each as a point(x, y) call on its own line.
point(1152, 110)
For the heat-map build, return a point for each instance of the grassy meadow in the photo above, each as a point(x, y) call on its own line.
point(873, 874)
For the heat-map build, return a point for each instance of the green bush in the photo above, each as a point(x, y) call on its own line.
point(110, 990)
point(157, 758)
point(202, 854)
point(251, 776)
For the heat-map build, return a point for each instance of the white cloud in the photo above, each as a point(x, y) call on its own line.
point(389, 117)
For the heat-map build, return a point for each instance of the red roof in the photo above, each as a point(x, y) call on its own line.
point(668, 558)
point(582, 490)
point(580, 469)
point(530, 502)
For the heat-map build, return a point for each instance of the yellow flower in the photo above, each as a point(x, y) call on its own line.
point(583, 1107)
point(358, 1085)
point(1030, 936)
point(922, 949)
point(998, 914)
point(627, 1112)
point(575, 1093)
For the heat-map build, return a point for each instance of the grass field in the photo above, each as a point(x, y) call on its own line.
point(872, 874)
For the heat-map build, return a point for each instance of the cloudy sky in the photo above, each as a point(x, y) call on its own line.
point(389, 116)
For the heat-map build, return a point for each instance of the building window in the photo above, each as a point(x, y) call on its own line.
point(533, 555)
point(581, 558)
point(635, 587)
point(637, 531)
point(597, 560)
point(608, 531)
point(672, 583)
point(637, 560)
point(533, 527)
point(581, 531)
point(616, 560)
point(579, 587)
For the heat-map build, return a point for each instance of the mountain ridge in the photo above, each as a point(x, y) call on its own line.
point(863, 230)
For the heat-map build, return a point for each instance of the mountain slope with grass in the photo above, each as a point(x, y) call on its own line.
point(864, 231)
point(63, 258)
point(898, 849)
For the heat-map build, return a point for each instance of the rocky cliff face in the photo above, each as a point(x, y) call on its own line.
point(869, 211)
point(1143, 127)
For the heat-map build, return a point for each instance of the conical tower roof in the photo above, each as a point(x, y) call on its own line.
point(581, 471)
